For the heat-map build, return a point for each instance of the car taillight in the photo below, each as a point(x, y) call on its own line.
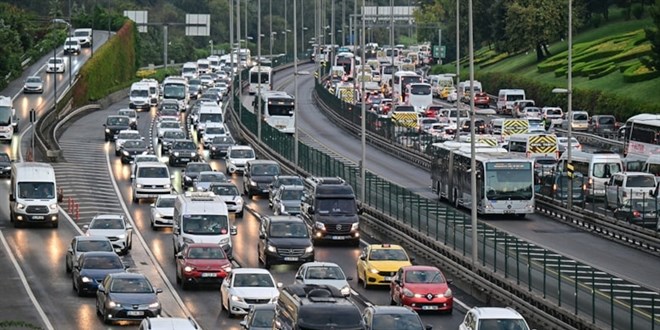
point(636, 214)
point(554, 187)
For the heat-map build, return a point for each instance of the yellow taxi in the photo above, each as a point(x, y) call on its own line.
point(444, 93)
point(378, 264)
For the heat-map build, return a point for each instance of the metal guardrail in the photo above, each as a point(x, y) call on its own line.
point(595, 140)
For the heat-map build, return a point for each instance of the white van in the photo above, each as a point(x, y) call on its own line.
point(505, 99)
point(139, 96)
point(580, 121)
point(33, 196)
point(84, 37)
point(189, 70)
point(598, 167)
point(652, 166)
point(154, 89)
point(553, 114)
point(201, 217)
point(203, 66)
point(150, 179)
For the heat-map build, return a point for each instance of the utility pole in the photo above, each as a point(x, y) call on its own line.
point(343, 22)
point(363, 161)
point(392, 33)
point(258, 96)
point(295, 85)
point(473, 162)
point(270, 31)
point(231, 57)
point(458, 66)
point(165, 45)
point(238, 36)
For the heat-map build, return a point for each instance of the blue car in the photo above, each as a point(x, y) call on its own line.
point(92, 268)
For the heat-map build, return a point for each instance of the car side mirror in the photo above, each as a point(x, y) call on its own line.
point(129, 227)
point(280, 285)
point(126, 265)
point(179, 255)
point(349, 278)
point(100, 288)
point(86, 227)
point(397, 281)
point(363, 257)
point(428, 327)
point(243, 324)
point(159, 291)
point(233, 231)
point(450, 281)
point(12, 198)
point(412, 259)
point(176, 231)
point(299, 277)
point(60, 197)
point(104, 125)
point(310, 210)
point(262, 236)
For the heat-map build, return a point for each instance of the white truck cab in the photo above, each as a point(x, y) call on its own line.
point(33, 195)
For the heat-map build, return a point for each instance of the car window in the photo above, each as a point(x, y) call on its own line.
point(206, 253)
point(131, 285)
point(107, 223)
point(324, 273)
point(242, 153)
point(424, 276)
point(87, 246)
point(174, 134)
point(198, 168)
point(288, 230)
point(102, 262)
point(223, 139)
point(165, 202)
point(605, 170)
point(188, 145)
point(388, 254)
point(640, 181)
point(152, 172)
point(225, 190)
point(212, 177)
point(253, 280)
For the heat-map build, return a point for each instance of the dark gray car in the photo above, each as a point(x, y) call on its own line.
point(219, 145)
point(602, 124)
point(114, 124)
point(260, 317)
point(169, 136)
point(127, 297)
point(5, 165)
point(191, 172)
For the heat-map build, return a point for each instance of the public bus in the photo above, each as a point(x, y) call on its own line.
point(277, 108)
point(401, 80)
point(176, 88)
point(642, 135)
point(419, 96)
point(261, 78)
point(347, 61)
point(505, 183)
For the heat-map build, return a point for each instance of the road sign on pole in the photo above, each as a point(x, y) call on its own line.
point(439, 51)
point(198, 25)
point(140, 17)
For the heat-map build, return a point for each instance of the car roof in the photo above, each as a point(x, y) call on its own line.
point(91, 238)
point(109, 216)
point(263, 161)
point(241, 147)
point(100, 254)
point(419, 267)
point(385, 247)
point(269, 307)
point(292, 187)
point(159, 323)
point(284, 218)
point(250, 271)
point(167, 196)
point(127, 275)
point(496, 313)
point(393, 310)
point(319, 264)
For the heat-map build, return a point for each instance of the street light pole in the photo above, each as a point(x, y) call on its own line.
point(473, 162)
point(569, 146)
point(295, 85)
point(458, 66)
point(363, 161)
point(270, 30)
point(259, 71)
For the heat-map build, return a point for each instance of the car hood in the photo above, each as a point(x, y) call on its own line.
point(117, 127)
point(288, 242)
point(154, 181)
point(263, 178)
point(228, 198)
point(133, 298)
point(99, 274)
point(106, 232)
point(424, 288)
point(221, 145)
point(388, 265)
point(185, 151)
point(5, 164)
point(207, 264)
point(291, 203)
point(256, 292)
point(135, 150)
point(339, 284)
point(165, 210)
point(33, 84)
point(337, 218)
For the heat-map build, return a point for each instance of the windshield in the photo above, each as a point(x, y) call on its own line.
point(81, 33)
point(605, 170)
point(509, 181)
point(288, 230)
point(55, 60)
point(399, 322)
point(640, 181)
point(223, 140)
point(337, 206)
point(265, 169)
point(646, 204)
point(215, 252)
point(4, 158)
point(86, 246)
point(128, 113)
point(174, 135)
point(169, 113)
point(131, 285)
point(135, 144)
point(107, 223)
point(325, 273)
point(165, 202)
point(210, 117)
point(172, 91)
point(214, 130)
point(212, 177)
point(242, 153)
point(140, 93)
point(290, 181)
point(606, 120)
point(34, 80)
point(153, 172)
point(581, 116)
point(196, 168)
point(424, 276)
point(5, 115)
point(553, 112)
point(128, 136)
point(292, 194)
point(205, 224)
point(225, 190)
point(117, 121)
point(420, 90)
point(253, 280)
point(184, 145)
point(388, 254)
point(102, 262)
point(280, 110)
point(336, 317)
point(188, 69)
point(489, 324)
point(36, 190)
point(254, 77)
point(263, 318)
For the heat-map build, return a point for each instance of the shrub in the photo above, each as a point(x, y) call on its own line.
point(609, 69)
point(637, 10)
point(637, 73)
point(596, 20)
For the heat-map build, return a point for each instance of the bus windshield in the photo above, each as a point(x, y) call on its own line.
point(509, 181)
point(177, 92)
point(420, 90)
point(206, 224)
point(254, 77)
point(280, 110)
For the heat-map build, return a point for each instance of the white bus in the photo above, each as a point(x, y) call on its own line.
point(176, 88)
point(347, 61)
point(505, 183)
point(277, 109)
point(598, 167)
point(401, 80)
point(261, 78)
point(642, 135)
point(245, 57)
point(419, 96)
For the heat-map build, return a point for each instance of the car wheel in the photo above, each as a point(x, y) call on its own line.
point(178, 277)
point(136, 200)
point(98, 310)
point(392, 302)
point(55, 224)
point(185, 286)
point(227, 171)
point(266, 263)
point(106, 139)
point(130, 243)
point(68, 267)
point(365, 285)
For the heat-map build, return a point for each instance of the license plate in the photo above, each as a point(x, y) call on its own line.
point(290, 258)
point(387, 278)
point(429, 308)
point(38, 217)
point(135, 313)
point(338, 238)
point(185, 159)
point(508, 211)
point(209, 275)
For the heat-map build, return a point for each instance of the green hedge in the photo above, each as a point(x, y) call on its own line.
point(611, 68)
point(637, 73)
point(113, 64)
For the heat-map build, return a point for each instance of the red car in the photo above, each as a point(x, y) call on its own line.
point(433, 111)
point(423, 288)
point(201, 263)
point(481, 100)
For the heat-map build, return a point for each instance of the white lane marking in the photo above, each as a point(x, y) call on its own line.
point(136, 232)
point(26, 285)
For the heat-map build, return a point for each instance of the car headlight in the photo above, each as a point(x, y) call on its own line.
point(253, 183)
point(138, 185)
point(126, 153)
point(227, 268)
point(274, 299)
point(85, 279)
point(374, 270)
point(122, 236)
point(188, 269)
point(188, 240)
point(319, 226)
point(158, 215)
point(20, 206)
point(167, 186)
point(238, 200)
point(355, 226)
point(193, 154)
point(309, 249)
point(53, 206)
point(213, 148)
point(113, 304)
point(272, 248)
point(448, 293)
point(346, 291)
point(154, 305)
point(176, 154)
point(224, 241)
point(408, 293)
point(107, 130)
point(236, 298)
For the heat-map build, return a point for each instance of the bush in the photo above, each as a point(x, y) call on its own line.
point(637, 73)
point(596, 20)
point(611, 68)
point(637, 10)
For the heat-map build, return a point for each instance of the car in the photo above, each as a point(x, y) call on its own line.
point(378, 264)
point(260, 317)
point(639, 211)
point(168, 323)
point(324, 273)
point(142, 158)
point(200, 264)
point(127, 297)
point(162, 211)
point(169, 136)
point(56, 65)
point(182, 152)
point(84, 36)
point(602, 125)
point(481, 100)
point(132, 148)
point(284, 239)
point(166, 114)
point(228, 192)
point(217, 91)
point(282, 180)
point(206, 178)
point(194, 90)
point(422, 288)
point(562, 144)
point(444, 93)
point(211, 131)
point(206, 80)
point(545, 164)
point(258, 175)
point(132, 114)
point(81, 244)
point(531, 112)
point(287, 200)
point(395, 317)
point(124, 136)
point(219, 145)
point(493, 318)
point(246, 287)
point(71, 46)
point(33, 84)
point(210, 95)
point(115, 124)
point(115, 228)
point(5, 165)
point(237, 156)
point(552, 115)
point(191, 172)
point(623, 186)
point(223, 87)
point(169, 104)
point(91, 269)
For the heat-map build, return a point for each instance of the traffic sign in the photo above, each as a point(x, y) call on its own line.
point(33, 116)
point(439, 51)
point(570, 169)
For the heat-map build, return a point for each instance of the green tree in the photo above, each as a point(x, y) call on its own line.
point(653, 35)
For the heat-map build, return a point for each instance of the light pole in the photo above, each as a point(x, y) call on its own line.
point(302, 40)
point(211, 43)
point(272, 38)
point(473, 162)
point(270, 30)
point(286, 41)
point(259, 70)
point(363, 121)
point(295, 85)
point(458, 65)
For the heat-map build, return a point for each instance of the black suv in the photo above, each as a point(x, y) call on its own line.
point(169, 136)
point(284, 239)
point(311, 306)
point(330, 208)
point(258, 176)
point(191, 172)
point(114, 124)
point(183, 152)
point(131, 148)
point(219, 146)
